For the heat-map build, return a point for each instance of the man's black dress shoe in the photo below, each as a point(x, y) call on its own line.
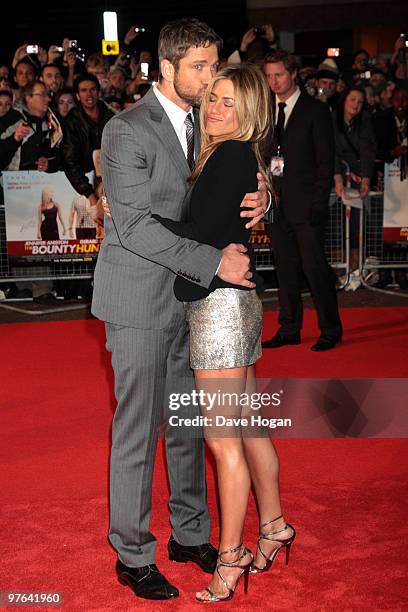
point(204, 555)
point(146, 581)
point(280, 340)
point(325, 343)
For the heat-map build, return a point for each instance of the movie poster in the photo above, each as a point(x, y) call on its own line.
point(47, 220)
point(395, 204)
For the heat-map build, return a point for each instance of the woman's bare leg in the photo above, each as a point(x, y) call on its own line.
point(233, 476)
point(263, 464)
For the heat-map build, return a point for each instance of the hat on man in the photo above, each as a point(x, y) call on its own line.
point(328, 70)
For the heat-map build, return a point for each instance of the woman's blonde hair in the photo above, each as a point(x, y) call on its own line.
point(253, 107)
point(47, 195)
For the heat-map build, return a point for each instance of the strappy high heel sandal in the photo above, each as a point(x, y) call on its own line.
point(214, 597)
point(284, 544)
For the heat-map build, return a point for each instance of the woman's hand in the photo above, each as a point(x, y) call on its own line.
point(338, 186)
point(42, 164)
point(258, 202)
point(365, 187)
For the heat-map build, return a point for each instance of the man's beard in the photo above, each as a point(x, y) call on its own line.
point(194, 99)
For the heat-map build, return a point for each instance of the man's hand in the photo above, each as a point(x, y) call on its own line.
point(131, 34)
point(257, 201)
point(234, 266)
point(20, 52)
point(247, 39)
point(21, 132)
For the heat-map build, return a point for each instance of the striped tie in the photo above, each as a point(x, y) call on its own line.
point(190, 141)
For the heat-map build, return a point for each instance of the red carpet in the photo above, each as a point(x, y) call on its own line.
point(347, 498)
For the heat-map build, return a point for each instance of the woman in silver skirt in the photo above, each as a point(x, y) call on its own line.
point(226, 323)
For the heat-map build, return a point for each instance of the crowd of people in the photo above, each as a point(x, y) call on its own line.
point(174, 283)
point(54, 105)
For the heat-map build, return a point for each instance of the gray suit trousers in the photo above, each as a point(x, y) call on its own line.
point(147, 364)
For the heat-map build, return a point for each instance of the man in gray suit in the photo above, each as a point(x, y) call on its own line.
point(145, 155)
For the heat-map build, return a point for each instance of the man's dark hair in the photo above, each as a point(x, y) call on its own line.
point(176, 37)
point(280, 55)
point(85, 77)
point(49, 66)
point(29, 88)
point(359, 52)
point(29, 62)
point(6, 92)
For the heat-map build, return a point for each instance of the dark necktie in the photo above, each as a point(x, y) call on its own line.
point(280, 124)
point(190, 141)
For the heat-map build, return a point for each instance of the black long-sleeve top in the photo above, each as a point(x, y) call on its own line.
point(357, 146)
point(214, 209)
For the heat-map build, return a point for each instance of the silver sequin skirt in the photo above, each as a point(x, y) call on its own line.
point(225, 329)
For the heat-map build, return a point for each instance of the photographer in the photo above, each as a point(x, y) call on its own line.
point(399, 60)
point(31, 139)
point(327, 77)
point(255, 44)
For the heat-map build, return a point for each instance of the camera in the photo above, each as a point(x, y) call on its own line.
point(333, 52)
point(140, 29)
point(73, 44)
point(32, 49)
point(259, 31)
point(365, 75)
point(59, 49)
point(144, 69)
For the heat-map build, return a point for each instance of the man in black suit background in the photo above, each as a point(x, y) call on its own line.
point(303, 168)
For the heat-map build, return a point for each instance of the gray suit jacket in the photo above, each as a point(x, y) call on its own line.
point(144, 171)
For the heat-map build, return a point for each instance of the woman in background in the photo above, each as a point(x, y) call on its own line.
point(355, 154)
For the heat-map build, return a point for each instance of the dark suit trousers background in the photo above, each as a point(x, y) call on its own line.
point(148, 365)
point(300, 246)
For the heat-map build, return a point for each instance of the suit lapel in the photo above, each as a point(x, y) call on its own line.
point(297, 109)
point(163, 128)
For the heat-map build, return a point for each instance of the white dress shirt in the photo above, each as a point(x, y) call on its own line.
point(290, 103)
point(176, 115)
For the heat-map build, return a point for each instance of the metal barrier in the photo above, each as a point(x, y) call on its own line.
point(336, 247)
point(337, 243)
point(375, 254)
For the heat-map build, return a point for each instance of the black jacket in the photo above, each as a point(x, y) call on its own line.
point(355, 145)
point(308, 152)
point(387, 135)
point(81, 137)
point(214, 210)
point(24, 154)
